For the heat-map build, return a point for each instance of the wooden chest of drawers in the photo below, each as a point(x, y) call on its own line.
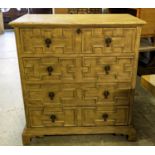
point(78, 73)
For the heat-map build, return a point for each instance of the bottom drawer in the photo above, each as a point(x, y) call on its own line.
point(78, 116)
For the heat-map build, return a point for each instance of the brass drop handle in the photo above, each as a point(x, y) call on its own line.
point(78, 31)
point(53, 118)
point(108, 41)
point(107, 69)
point(48, 42)
point(50, 70)
point(51, 95)
point(106, 94)
point(105, 116)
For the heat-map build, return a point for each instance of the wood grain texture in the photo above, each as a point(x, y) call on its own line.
point(148, 82)
point(29, 133)
point(86, 94)
point(68, 116)
point(77, 20)
point(68, 41)
point(79, 69)
point(78, 81)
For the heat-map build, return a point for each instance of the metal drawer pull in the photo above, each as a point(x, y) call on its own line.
point(106, 94)
point(48, 42)
point(50, 70)
point(78, 31)
point(107, 69)
point(53, 118)
point(51, 95)
point(108, 41)
point(105, 116)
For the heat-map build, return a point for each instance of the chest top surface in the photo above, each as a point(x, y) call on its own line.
point(77, 20)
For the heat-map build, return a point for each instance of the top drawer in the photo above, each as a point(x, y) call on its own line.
point(50, 41)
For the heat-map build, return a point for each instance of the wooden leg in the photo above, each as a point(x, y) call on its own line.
point(27, 136)
point(132, 135)
point(26, 139)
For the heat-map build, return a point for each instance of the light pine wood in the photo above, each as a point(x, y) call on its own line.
point(148, 82)
point(66, 116)
point(67, 41)
point(77, 82)
point(137, 44)
point(29, 133)
point(77, 20)
point(1, 23)
point(70, 69)
point(73, 94)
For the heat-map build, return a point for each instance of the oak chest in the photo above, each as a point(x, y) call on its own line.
point(78, 73)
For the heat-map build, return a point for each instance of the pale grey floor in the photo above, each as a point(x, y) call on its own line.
point(12, 119)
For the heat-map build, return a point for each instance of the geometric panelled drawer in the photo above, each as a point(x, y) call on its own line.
point(92, 94)
point(78, 73)
point(79, 69)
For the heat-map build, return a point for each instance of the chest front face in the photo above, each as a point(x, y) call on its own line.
point(79, 68)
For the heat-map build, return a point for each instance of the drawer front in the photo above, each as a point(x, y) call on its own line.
point(74, 40)
point(52, 95)
point(81, 116)
point(79, 69)
point(88, 94)
point(51, 69)
point(47, 117)
point(50, 41)
point(108, 40)
point(92, 116)
point(107, 69)
point(102, 94)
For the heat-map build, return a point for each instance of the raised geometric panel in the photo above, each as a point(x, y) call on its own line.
point(63, 41)
point(39, 95)
point(63, 69)
point(48, 117)
point(93, 116)
point(107, 69)
point(122, 40)
point(105, 94)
